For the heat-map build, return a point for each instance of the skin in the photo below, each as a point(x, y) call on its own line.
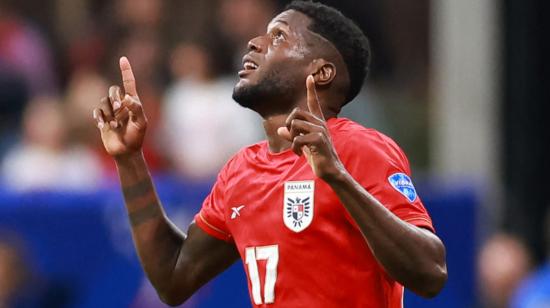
point(178, 264)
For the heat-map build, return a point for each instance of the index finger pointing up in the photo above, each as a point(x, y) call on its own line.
point(128, 78)
point(313, 103)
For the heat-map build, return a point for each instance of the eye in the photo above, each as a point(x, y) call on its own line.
point(277, 36)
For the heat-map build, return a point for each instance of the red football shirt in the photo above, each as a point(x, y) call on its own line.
point(299, 245)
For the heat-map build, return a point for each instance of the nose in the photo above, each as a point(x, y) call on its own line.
point(255, 44)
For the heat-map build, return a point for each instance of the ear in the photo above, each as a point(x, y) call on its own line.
point(323, 71)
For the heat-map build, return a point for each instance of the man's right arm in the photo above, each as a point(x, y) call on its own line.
point(177, 264)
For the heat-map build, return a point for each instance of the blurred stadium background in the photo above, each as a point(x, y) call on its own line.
point(460, 85)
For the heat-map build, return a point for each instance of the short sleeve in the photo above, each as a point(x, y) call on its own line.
point(211, 217)
point(381, 167)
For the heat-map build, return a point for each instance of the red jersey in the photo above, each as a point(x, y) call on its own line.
point(299, 245)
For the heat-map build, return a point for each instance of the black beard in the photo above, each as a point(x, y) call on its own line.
point(271, 96)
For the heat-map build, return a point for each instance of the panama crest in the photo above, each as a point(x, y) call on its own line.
point(298, 204)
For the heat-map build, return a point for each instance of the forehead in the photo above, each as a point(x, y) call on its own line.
point(291, 19)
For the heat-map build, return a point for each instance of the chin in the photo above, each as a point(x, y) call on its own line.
point(242, 84)
point(267, 95)
point(243, 94)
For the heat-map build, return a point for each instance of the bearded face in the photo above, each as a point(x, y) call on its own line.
point(275, 68)
point(273, 88)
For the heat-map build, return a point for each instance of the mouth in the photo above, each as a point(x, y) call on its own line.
point(248, 66)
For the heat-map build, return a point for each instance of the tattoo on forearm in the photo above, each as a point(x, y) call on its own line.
point(144, 214)
point(137, 190)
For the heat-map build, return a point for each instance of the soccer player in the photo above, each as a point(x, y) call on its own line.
point(323, 213)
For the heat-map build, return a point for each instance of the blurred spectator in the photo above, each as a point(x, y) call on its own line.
point(25, 69)
point(242, 20)
point(503, 262)
point(142, 14)
point(20, 285)
point(203, 126)
point(43, 159)
point(534, 291)
point(13, 92)
point(84, 91)
point(26, 53)
point(13, 274)
point(77, 26)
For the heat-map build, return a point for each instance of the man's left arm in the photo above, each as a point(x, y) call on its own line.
point(411, 255)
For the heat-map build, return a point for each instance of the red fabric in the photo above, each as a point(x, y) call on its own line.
point(328, 264)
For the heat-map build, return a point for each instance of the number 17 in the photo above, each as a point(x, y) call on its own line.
point(271, 254)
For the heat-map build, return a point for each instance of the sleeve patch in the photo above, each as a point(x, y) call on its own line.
point(403, 184)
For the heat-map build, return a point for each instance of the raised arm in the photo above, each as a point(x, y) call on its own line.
point(413, 256)
point(176, 264)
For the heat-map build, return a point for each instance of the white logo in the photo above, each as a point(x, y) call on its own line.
point(236, 211)
point(298, 204)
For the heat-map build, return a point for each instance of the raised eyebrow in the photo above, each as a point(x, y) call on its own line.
point(273, 24)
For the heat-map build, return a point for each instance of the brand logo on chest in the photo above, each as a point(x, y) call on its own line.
point(298, 204)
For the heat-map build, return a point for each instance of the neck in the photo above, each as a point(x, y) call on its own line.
point(271, 124)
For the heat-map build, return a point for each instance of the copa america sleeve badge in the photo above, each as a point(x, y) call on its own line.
point(298, 204)
point(403, 184)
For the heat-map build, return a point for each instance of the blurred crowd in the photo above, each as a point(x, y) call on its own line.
point(51, 80)
point(508, 275)
point(58, 58)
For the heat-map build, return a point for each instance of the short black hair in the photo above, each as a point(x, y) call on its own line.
point(344, 34)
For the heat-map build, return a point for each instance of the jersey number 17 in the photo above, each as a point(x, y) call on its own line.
point(271, 254)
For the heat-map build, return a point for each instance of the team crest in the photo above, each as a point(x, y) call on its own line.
point(403, 184)
point(298, 204)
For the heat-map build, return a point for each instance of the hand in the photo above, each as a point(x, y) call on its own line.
point(121, 121)
point(309, 135)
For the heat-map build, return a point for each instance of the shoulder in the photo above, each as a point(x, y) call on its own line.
point(353, 139)
point(238, 162)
